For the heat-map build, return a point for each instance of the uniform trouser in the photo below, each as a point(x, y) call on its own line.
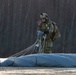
point(46, 46)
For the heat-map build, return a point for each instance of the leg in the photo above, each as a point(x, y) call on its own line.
point(48, 47)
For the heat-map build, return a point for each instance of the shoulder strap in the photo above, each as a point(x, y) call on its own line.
point(54, 26)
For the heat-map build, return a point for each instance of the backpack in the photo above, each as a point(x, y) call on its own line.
point(55, 34)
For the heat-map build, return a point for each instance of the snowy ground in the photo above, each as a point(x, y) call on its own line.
point(3, 59)
point(36, 71)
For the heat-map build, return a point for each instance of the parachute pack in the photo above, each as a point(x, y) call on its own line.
point(55, 34)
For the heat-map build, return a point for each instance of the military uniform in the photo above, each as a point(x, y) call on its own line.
point(47, 35)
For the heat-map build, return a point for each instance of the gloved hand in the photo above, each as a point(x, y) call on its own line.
point(46, 31)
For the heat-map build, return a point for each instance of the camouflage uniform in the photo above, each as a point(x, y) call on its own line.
point(47, 28)
point(47, 33)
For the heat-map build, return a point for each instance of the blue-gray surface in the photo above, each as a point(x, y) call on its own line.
point(41, 60)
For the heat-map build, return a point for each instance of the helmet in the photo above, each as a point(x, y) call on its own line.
point(43, 16)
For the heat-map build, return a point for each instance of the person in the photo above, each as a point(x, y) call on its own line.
point(47, 33)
